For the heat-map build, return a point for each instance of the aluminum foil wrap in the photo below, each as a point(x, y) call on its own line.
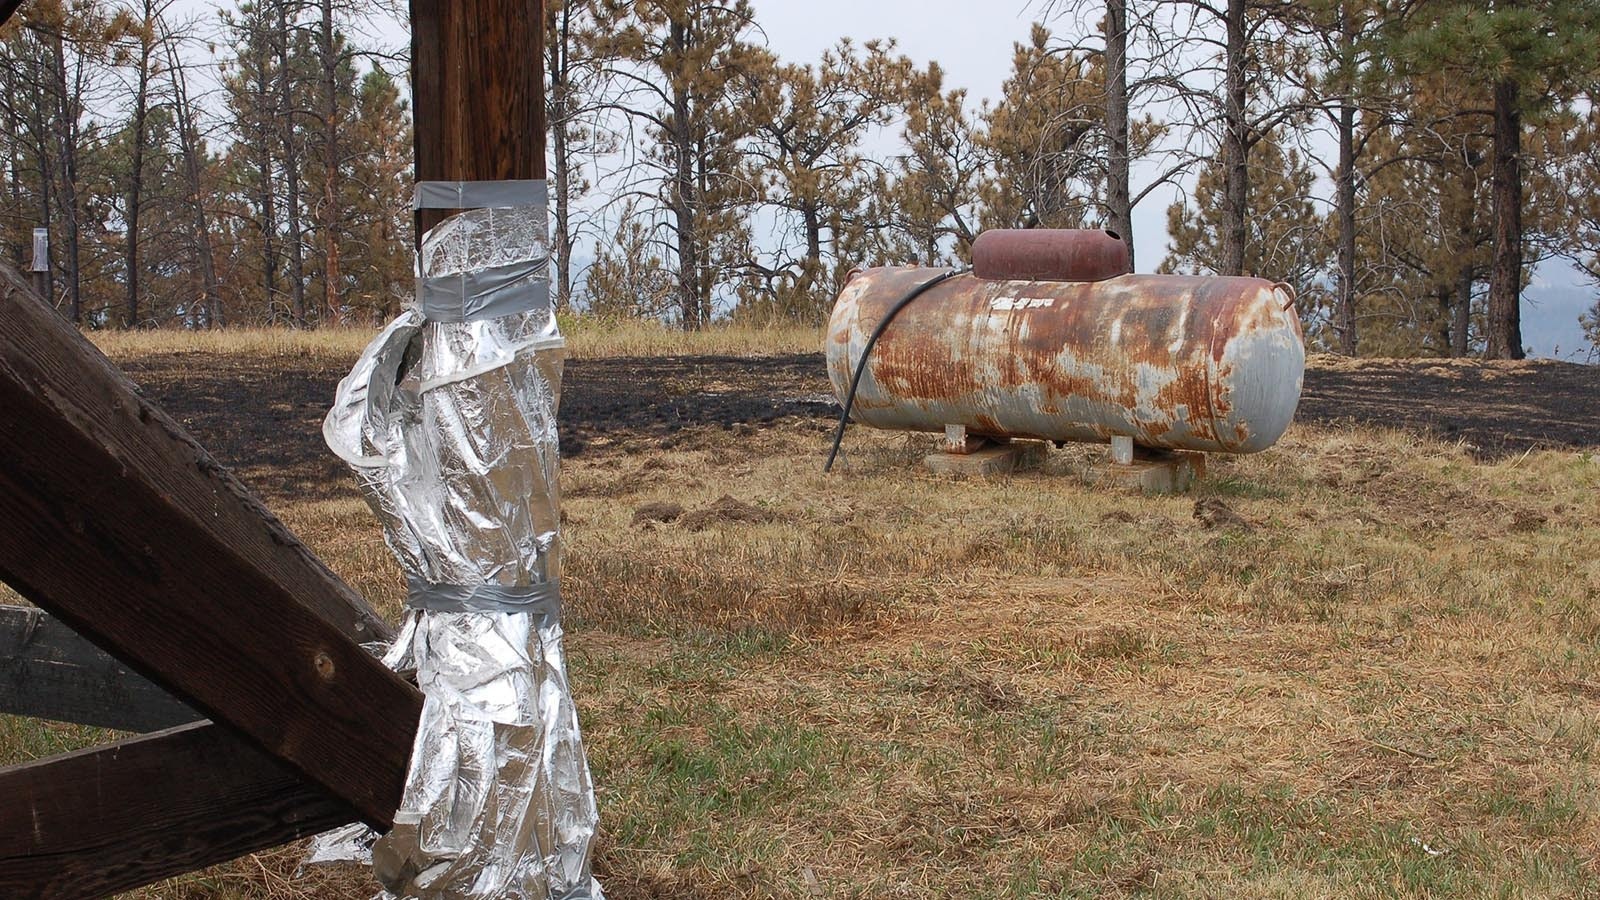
point(450, 427)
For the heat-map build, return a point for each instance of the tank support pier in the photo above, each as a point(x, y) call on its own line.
point(1145, 470)
point(1122, 450)
point(965, 454)
point(993, 459)
point(1127, 466)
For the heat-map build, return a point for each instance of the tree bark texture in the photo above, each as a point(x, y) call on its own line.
point(559, 56)
point(685, 205)
point(1461, 325)
point(141, 109)
point(291, 170)
point(328, 219)
point(67, 157)
point(1119, 187)
point(1346, 210)
point(198, 218)
point(1235, 145)
point(478, 117)
point(1505, 275)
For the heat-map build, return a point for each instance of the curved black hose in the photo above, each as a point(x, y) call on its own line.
point(861, 364)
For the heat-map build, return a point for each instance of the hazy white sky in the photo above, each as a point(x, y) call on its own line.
point(972, 41)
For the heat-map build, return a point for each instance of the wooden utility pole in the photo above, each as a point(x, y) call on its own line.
point(477, 76)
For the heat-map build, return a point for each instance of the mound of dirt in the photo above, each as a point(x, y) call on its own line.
point(1213, 513)
point(657, 511)
point(1525, 520)
point(725, 509)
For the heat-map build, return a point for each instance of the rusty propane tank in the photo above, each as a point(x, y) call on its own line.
point(1172, 361)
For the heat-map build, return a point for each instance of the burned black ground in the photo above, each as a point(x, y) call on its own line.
point(264, 417)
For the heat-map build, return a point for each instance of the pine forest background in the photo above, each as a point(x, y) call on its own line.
point(1403, 166)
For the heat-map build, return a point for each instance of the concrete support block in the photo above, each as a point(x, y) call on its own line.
point(994, 459)
point(1167, 474)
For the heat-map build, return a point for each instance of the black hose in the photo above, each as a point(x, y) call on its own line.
point(861, 364)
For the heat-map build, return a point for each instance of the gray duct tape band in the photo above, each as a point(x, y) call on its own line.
point(480, 194)
point(485, 293)
point(536, 599)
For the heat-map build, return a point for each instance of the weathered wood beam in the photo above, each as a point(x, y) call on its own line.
point(48, 671)
point(120, 524)
point(112, 818)
point(477, 75)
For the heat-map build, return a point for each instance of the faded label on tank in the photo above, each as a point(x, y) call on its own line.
point(1011, 303)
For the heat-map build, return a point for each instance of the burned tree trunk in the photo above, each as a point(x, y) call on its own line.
point(1119, 187)
point(1504, 325)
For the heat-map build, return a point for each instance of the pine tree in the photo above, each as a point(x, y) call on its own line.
point(806, 155)
point(1285, 238)
point(1344, 82)
point(286, 42)
point(30, 194)
point(67, 46)
point(374, 237)
point(575, 107)
point(334, 93)
point(630, 278)
point(1041, 140)
point(1528, 59)
point(1421, 238)
point(146, 64)
point(933, 197)
point(1135, 48)
point(1246, 44)
point(678, 65)
point(353, 128)
point(254, 159)
point(200, 188)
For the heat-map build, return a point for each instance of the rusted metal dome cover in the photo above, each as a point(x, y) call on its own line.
point(1173, 361)
point(1049, 254)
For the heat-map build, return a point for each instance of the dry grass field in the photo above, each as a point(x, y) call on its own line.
point(1382, 680)
point(587, 338)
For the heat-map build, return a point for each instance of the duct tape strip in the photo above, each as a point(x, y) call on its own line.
point(536, 599)
point(480, 194)
point(485, 293)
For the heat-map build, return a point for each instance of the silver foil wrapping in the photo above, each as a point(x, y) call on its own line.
point(451, 430)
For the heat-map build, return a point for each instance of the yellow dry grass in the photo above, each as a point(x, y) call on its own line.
point(908, 686)
point(914, 687)
point(587, 337)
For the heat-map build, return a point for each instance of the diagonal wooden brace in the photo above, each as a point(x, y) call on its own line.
point(112, 818)
point(48, 671)
point(121, 525)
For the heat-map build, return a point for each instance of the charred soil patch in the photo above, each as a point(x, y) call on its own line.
point(1497, 408)
point(264, 417)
